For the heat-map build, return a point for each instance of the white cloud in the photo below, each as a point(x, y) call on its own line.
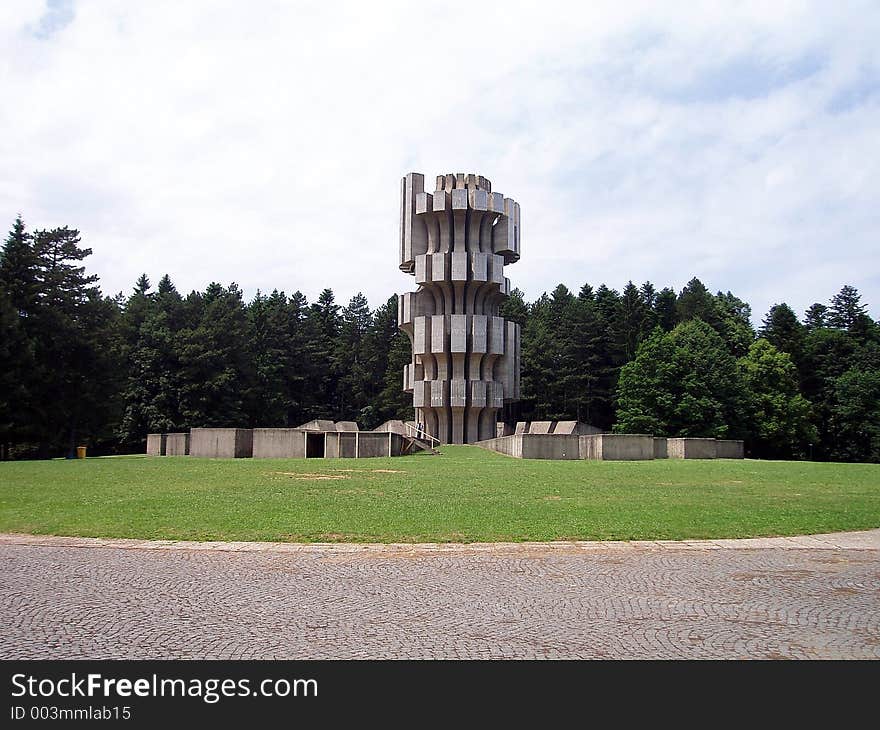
point(263, 142)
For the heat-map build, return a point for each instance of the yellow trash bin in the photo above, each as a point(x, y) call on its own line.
point(80, 452)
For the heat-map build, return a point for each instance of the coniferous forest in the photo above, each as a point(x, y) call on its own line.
point(79, 367)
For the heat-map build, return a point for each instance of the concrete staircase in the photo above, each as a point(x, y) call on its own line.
point(411, 443)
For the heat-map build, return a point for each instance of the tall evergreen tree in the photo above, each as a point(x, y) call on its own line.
point(782, 329)
point(816, 316)
point(324, 327)
point(827, 355)
point(846, 309)
point(270, 327)
point(352, 366)
point(19, 265)
point(514, 308)
point(695, 301)
point(388, 351)
point(215, 360)
point(71, 327)
point(665, 309)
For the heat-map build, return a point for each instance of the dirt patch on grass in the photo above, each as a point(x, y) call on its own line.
point(552, 498)
point(373, 471)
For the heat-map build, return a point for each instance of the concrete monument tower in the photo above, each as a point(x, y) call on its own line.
point(465, 357)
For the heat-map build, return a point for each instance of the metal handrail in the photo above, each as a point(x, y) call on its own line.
point(422, 435)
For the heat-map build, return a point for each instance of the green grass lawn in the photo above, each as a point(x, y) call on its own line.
point(467, 494)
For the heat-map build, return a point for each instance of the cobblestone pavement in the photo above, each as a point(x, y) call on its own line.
point(771, 598)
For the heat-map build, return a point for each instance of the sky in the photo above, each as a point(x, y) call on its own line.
point(263, 142)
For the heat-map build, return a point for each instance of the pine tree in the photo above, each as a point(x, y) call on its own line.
point(19, 266)
point(216, 366)
point(694, 302)
point(72, 327)
point(321, 348)
point(149, 333)
point(782, 329)
point(514, 308)
point(351, 363)
point(665, 309)
point(591, 371)
point(827, 355)
point(301, 373)
point(18, 299)
point(388, 350)
point(816, 316)
point(16, 366)
point(634, 321)
point(846, 308)
point(270, 327)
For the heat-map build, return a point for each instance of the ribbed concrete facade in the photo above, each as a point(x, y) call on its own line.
point(465, 364)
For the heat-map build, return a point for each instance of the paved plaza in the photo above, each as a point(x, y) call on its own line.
point(814, 597)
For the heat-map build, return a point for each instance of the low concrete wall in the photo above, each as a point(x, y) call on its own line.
point(590, 447)
point(331, 445)
point(348, 444)
point(691, 448)
point(626, 446)
point(397, 444)
point(729, 449)
point(660, 448)
point(372, 444)
point(177, 444)
point(507, 445)
point(221, 443)
point(279, 443)
point(362, 444)
point(610, 447)
point(550, 446)
point(155, 444)
point(617, 447)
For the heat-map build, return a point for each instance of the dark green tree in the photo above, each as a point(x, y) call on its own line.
point(353, 369)
point(782, 329)
point(827, 355)
point(855, 416)
point(389, 350)
point(216, 365)
point(696, 302)
point(514, 308)
point(665, 309)
point(779, 414)
point(816, 316)
point(72, 328)
point(846, 309)
point(682, 383)
point(19, 265)
point(269, 323)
